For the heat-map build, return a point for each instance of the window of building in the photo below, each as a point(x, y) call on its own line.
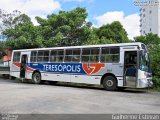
point(144, 15)
point(43, 56)
point(150, 29)
point(16, 56)
point(33, 56)
point(110, 54)
point(143, 10)
point(150, 12)
point(90, 55)
point(144, 32)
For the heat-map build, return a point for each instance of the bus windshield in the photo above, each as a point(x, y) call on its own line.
point(144, 61)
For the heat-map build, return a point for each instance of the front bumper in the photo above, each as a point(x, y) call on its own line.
point(145, 83)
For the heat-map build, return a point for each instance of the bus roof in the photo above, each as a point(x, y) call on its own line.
point(84, 46)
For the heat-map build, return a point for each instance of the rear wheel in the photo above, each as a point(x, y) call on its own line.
point(110, 83)
point(36, 78)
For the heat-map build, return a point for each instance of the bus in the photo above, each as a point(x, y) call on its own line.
point(113, 66)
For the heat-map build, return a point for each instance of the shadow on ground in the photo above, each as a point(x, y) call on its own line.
point(76, 85)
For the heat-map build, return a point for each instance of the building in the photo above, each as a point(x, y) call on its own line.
point(7, 57)
point(150, 18)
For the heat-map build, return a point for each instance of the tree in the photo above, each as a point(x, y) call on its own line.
point(107, 34)
point(66, 28)
point(2, 49)
point(114, 32)
point(8, 19)
point(24, 34)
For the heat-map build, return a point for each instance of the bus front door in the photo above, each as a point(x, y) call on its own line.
point(130, 68)
point(23, 66)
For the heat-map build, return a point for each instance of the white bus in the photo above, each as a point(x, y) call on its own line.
point(111, 65)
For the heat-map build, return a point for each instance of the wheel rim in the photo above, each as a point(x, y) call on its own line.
point(36, 78)
point(109, 83)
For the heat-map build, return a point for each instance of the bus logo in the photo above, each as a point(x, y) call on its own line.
point(92, 68)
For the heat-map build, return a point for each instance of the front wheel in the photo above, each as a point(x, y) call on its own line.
point(36, 78)
point(110, 83)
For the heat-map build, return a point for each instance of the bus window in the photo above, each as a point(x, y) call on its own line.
point(60, 56)
point(16, 56)
point(46, 56)
point(72, 55)
point(94, 56)
point(114, 52)
point(110, 54)
point(85, 54)
point(90, 55)
point(53, 56)
point(43, 56)
point(68, 56)
point(76, 55)
point(105, 57)
point(33, 56)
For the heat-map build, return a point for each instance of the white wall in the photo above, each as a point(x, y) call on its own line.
point(151, 21)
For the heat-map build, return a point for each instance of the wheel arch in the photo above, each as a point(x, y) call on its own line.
point(36, 71)
point(107, 74)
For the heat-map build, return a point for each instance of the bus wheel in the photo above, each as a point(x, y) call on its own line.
point(36, 78)
point(110, 83)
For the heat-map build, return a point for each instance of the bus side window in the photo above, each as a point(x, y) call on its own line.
point(110, 54)
point(94, 56)
point(85, 54)
point(43, 56)
point(46, 56)
point(53, 56)
point(33, 56)
point(16, 56)
point(68, 55)
point(76, 55)
point(60, 56)
point(72, 55)
point(105, 55)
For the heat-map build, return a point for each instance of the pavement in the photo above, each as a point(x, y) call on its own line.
point(25, 98)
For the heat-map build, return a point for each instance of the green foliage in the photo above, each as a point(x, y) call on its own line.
point(66, 28)
point(2, 48)
point(155, 60)
point(107, 34)
point(152, 41)
point(114, 32)
point(55, 41)
point(23, 36)
point(156, 82)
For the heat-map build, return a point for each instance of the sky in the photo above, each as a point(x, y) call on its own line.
point(100, 12)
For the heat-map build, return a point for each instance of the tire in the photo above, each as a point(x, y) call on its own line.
point(36, 78)
point(110, 83)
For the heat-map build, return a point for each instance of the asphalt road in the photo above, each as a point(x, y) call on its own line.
point(25, 98)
